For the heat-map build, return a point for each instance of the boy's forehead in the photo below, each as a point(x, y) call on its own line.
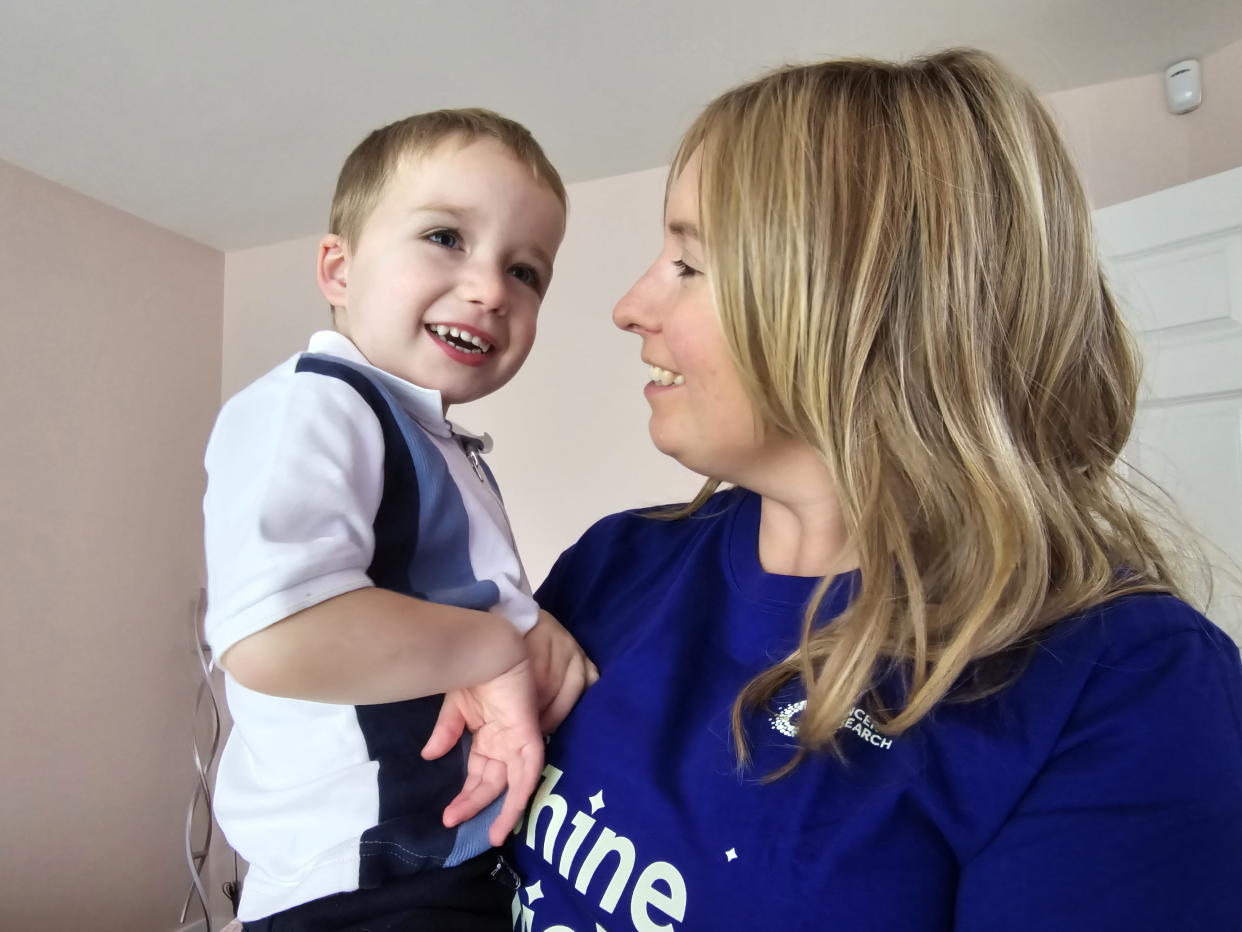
point(448, 172)
point(419, 179)
point(416, 156)
point(447, 179)
point(416, 167)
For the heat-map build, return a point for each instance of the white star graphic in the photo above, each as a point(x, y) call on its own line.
point(534, 892)
point(731, 854)
point(597, 802)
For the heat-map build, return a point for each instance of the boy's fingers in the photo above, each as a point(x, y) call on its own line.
point(476, 767)
point(523, 774)
point(444, 736)
point(483, 786)
point(458, 810)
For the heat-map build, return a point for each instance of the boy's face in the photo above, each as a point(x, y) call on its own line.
point(462, 239)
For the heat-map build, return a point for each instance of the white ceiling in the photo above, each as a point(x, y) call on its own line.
point(226, 121)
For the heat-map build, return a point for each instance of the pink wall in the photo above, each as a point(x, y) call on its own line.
point(1215, 132)
point(1127, 144)
point(109, 368)
point(271, 304)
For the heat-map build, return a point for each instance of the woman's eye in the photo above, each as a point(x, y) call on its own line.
point(684, 270)
point(526, 275)
point(446, 238)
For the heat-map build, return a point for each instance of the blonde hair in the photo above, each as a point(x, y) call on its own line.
point(903, 263)
point(371, 165)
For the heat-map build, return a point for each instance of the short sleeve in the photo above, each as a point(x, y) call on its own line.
point(1135, 820)
point(294, 479)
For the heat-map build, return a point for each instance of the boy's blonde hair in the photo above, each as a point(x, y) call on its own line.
point(371, 165)
point(903, 262)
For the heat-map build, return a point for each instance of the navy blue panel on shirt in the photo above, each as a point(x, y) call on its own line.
point(412, 792)
point(1101, 790)
point(396, 535)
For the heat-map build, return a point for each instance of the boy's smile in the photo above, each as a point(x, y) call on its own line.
point(465, 344)
point(444, 285)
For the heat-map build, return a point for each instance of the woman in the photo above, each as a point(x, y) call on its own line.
point(924, 667)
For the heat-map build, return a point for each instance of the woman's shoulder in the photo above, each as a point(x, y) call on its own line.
point(626, 548)
point(1146, 665)
point(1135, 623)
point(1122, 737)
point(1142, 666)
point(653, 525)
point(1150, 645)
point(1134, 703)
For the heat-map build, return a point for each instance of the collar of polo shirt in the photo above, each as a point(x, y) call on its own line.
point(422, 404)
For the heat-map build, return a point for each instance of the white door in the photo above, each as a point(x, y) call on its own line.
point(1175, 259)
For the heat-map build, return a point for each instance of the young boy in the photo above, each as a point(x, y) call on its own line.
point(365, 597)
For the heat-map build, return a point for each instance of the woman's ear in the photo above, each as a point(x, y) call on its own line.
point(332, 268)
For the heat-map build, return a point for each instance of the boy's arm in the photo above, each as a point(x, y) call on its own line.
point(371, 646)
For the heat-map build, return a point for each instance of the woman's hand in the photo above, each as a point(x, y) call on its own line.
point(562, 671)
point(507, 750)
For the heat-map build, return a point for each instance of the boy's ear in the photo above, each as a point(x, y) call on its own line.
point(332, 269)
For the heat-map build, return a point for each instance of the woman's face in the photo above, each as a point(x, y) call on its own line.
point(700, 414)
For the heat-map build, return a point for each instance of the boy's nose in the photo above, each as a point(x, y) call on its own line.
point(485, 287)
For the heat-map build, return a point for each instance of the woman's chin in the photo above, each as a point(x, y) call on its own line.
point(677, 449)
point(662, 440)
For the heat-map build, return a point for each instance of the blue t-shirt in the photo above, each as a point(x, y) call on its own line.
point(1102, 790)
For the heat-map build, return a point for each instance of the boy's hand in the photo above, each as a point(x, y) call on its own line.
point(507, 750)
point(562, 670)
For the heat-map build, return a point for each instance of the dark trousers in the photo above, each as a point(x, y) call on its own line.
point(473, 897)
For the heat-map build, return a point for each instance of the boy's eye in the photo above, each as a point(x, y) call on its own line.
point(526, 275)
point(446, 238)
point(684, 270)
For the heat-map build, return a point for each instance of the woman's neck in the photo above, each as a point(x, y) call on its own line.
point(801, 528)
point(803, 537)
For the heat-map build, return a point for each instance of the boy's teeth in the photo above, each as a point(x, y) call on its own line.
point(664, 377)
point(444, 331)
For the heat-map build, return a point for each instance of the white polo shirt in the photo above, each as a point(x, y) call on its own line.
point(324, 476)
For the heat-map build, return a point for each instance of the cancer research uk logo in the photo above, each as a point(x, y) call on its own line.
point(858, 722)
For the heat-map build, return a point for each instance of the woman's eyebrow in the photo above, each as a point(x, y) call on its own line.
point(684, 229)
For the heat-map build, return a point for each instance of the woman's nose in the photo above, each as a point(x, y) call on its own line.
point(638, 309)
